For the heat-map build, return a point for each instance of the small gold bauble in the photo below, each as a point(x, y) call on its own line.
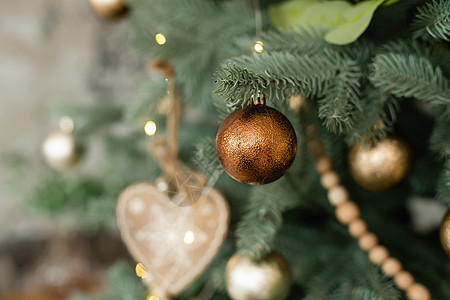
point(382, 166)
point(269, 279)
point(256, 144)
point(108, 9)
point(445, 233)
point(60, 151)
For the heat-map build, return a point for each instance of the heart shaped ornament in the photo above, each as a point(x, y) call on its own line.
point(175, 243)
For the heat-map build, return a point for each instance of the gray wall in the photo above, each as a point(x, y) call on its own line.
point(53, 50)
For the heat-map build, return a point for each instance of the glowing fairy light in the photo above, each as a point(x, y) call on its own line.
point(258, 46)
point(189, 237)
point(140, 271)
point(160, 38)
point(150, 128)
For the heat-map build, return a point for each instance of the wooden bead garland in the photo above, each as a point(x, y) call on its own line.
point(337, 195)
point(347, 212)
point(417, 291)
point(357, 227)
point(391, 266)
point(367, 241)
point(378, 254)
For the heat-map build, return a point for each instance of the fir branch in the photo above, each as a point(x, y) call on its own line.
point(440, 137)
point(205, 158)
point(56, 194)
point(101, 212)
point(258, 227)
point(122, 284)
point(147, 106)
point(300, 41)
point(326, 282)
point(278, 72)
point(410, 76)
point(443, 185)
point(341, 99)
point(89, 119)
point(304, 263)
point(372, 283)
point(376, 118)
point(217, 276)
point(190, 45)
point(432, 21)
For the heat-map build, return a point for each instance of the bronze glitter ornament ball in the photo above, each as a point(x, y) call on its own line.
point(60, 151)
point(382, 166)
point(256, 144)
point(108, 9)
point(445, 233)
point(269, 279)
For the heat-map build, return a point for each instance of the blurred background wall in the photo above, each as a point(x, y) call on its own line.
point(51, 50)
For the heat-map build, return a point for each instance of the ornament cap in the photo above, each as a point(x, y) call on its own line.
point(260, 99)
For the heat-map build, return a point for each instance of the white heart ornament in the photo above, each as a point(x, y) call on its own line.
point(175, 244)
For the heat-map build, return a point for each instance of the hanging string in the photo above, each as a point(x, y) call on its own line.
point(165, 150)
point(173, 117)
point(258, 18)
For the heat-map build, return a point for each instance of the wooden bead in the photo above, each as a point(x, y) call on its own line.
point(403, 280)
point(311, 130)
point(391, 266)
point(367, 241)
point(347, 212)
point(378, 254)
point(357, 227)
point(337, 195)
point(323, 164)
point(417, 291)
point(329, 179)
point(316, 148)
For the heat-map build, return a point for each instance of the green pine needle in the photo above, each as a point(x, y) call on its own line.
point(432, 21)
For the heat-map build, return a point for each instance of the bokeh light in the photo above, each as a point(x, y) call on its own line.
point(258, 46)
point(160, 38)
point(150, 128)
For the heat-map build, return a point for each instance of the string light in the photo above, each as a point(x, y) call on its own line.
point(140, 271)
point(160, 38)
point(258, 47)
point(150, 128)
point(189, 237)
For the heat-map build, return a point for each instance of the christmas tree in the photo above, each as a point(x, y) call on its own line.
point(319, 207)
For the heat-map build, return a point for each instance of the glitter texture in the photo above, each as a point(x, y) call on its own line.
point(445, 233)
point(380, 167)
point(269, 279)
point(256, 145)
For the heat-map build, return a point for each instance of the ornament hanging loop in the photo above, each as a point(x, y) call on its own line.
point(160, 151)
point(174, 109)
point(173, 117)
point(165, 149)
point(169, 159)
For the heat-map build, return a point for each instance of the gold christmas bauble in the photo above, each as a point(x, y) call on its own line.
point(382, 166)
point(108, 9)
point(256, 144)
point(60, 151)
point(445, 233)
point(269, 279)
